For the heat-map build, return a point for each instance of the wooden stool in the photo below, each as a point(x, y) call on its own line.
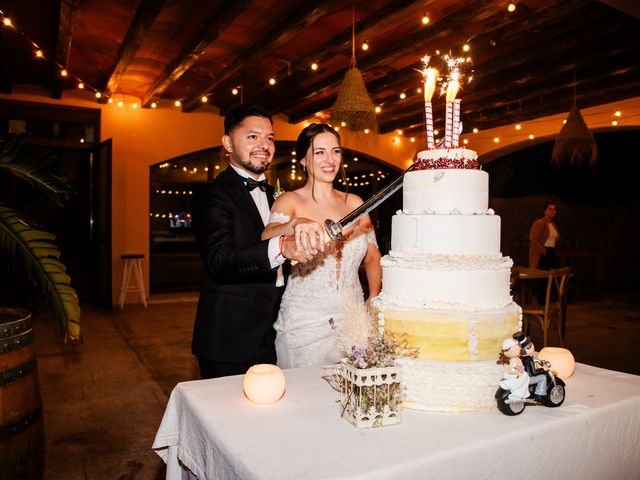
point(132, 261)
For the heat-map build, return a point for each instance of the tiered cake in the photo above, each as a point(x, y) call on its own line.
point(446, 284)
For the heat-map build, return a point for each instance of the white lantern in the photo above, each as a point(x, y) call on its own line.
point(561, 359)
point(264, 383)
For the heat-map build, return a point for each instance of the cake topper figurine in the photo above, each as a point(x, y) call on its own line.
point(542, 385)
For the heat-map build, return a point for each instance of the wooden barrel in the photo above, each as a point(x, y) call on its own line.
point(21, 424)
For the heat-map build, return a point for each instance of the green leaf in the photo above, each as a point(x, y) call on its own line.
point(34, 165)
point(19, 242)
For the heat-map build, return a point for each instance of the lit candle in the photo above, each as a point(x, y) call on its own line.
point(430, 77)
point(452, 90)
point(561, 359)
point(264, 383)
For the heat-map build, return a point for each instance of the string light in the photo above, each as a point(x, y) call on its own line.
point(154, 104)
point(518, 126)
point(403, 96)
point(531, 137)
point(39, 54)
point(64, 72)
point(204, 99)
point(177, 103)
point(618, 113)
point(314, 66)
point(81, 86)
point(234, 91)
point(511, 7)
point(466, 48)
point(98, 95)
point(7, 22)
point(496, 139)
point(272, 81)
point(475, 130)
point(365, 45)
point(378, 109)
point(425, 20)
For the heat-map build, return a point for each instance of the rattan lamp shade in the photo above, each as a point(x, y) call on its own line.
point(575, 144)
point(353, 105)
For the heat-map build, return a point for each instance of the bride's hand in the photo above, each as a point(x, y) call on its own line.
point(309, 236)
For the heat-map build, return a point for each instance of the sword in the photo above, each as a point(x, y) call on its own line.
point(335, 229)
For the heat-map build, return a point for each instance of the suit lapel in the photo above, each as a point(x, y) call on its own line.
point(243, 198)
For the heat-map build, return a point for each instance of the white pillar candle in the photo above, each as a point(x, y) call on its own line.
point(264, 383)
point(561, 359)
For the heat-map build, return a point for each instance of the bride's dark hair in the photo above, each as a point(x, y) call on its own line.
point(305, 141)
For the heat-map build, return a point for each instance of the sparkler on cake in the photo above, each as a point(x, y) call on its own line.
point(450, 84)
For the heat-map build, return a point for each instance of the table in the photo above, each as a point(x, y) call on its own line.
point(212, 429)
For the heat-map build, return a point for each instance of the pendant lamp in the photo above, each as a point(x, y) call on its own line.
point(575, 144)
point(353, 106)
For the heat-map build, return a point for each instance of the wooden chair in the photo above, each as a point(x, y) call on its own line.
point(554, 304)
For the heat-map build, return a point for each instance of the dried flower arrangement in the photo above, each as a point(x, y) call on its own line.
point(369, 381)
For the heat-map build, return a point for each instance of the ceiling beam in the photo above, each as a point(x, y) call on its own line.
point(374, 24)
point(507, 36)
point(63, 44)
point(145, 15)
point(515, 65)
point(306, 15)
point(216, 24)
point(444, 33)
point(528, 103)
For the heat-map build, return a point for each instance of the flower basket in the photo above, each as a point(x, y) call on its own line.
point(371, 397)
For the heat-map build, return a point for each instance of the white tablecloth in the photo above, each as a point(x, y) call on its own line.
point(213, 430)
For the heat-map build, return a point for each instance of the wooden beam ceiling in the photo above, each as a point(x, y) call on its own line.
point(306, 15)
point(63, 42)
point(142, 22)
point(216, 24)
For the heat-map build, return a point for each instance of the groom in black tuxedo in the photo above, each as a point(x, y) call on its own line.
point(239, 300)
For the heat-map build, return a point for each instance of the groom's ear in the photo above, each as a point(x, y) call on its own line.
point(226, 143)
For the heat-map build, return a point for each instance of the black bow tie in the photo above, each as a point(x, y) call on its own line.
point(251, 184)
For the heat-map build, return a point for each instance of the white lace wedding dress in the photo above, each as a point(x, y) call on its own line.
point(327, 287)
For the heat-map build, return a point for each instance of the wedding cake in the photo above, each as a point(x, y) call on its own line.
point(446, 284)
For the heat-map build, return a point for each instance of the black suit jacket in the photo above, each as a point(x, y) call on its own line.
point(239, 301)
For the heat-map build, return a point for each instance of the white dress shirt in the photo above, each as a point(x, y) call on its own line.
point(261, 201)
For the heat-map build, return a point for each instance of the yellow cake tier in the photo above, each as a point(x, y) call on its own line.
point(454, 336)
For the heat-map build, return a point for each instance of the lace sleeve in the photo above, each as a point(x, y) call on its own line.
point(276, 217)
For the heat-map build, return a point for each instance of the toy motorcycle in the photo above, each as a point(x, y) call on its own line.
point(554, 397)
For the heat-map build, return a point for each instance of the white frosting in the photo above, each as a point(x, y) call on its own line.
point(445, 191)
point(450, 153)
point(446, 282)
point(446, 234)
point(449, 386)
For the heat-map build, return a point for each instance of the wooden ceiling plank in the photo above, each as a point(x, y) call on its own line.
point(532, 21)
point(515, 65)
point(305, 16)
point(63, 44)
point(142, 21)
point(556, 98)
point(371, 26)
point(217, 23)
point(447, 31)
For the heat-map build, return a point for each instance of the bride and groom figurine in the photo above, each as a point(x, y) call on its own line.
point(522, 368)
point(245, 263)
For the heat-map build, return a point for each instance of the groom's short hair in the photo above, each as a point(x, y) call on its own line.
point(237, 114)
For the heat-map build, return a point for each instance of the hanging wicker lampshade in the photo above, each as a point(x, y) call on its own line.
point(354, 107)
point(575, 144)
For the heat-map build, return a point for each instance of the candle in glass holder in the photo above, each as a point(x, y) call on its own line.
point(561, 359)
point(264, 384)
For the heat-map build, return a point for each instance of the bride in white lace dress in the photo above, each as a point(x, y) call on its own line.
point(327, 287)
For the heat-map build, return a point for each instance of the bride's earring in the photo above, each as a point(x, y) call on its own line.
point(304, 168)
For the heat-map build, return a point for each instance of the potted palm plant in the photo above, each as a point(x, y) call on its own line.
point(22, 243)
